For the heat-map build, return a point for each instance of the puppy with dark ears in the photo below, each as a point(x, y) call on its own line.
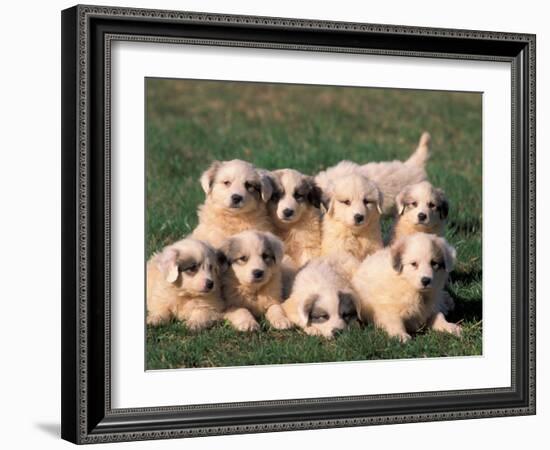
point(352, 221)
point(236, 197)
point(322, 302)
point(421, 208)
point(294, 209)
point(400, 287)
point(252, 285)
point(184, 282)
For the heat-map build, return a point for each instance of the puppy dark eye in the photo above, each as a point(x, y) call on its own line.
point(299, 197)
point(366, 202)
point(414, 204)
point(345, 202)
point(276, 196)
point(210, 266)
point(189, 269)
point(318, 318)
point(414, 264)
point(243, 259)
point(227, 183)
point(249, 187)
point(266, 256)
point(436, 265)
point(431, 205)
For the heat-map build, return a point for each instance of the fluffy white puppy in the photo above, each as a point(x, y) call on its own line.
point(389, 176)
point(236, 197)
point(294, 209)
point(421, 208)
point(252, 285)
point(322, 302)
point(352, 221)
point(183, 281)
point(400, 286)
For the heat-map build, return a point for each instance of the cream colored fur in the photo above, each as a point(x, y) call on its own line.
point(248, 298)
point(322, 301)
point(421, 208)
point(176, 293)
point(219, 216)
point(389, 285)
point(390, 176)
point(352, 195)
point(300, 232)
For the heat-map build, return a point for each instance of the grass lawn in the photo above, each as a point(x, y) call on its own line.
point(191, 123)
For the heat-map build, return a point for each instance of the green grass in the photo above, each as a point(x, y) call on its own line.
point(190, 123)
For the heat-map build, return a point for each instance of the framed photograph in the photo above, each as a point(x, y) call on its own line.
point(279, 224)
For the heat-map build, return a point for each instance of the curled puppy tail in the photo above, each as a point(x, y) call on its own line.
point(422, 152)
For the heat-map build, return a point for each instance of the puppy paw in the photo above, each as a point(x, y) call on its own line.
point(281, 323)
point(247, 325)
point(311, 331)
point(454, 329)
point(403, 337)
point(198, 325)
point(155, 320)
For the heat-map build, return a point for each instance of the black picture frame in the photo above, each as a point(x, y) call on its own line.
point(87, 33)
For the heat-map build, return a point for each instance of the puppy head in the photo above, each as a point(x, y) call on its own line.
point(354, 201)
point(192, 266)
point(329, 312)
point(253, 256)
point(424, 260)
point(236, 186)
point(423, 205)
point(293, 193)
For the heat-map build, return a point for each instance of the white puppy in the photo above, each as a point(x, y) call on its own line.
point(236, 197)
point(252, 286)
point(421, 208)
point(400, 286)
point(183, 281)
point(389, 176)
point(352, 221)
point(322, 302)
point(294, 210)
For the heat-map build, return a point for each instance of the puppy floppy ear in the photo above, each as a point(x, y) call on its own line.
point(449, 254)
point(223, 262)
point(167, 264)
point(315, 193)
point(207, 178)
point(306, 308)
point(442, 203)
point(226, 249)
point(401, 201)
point(276, 246)
point(267, 186)
point(396, 252)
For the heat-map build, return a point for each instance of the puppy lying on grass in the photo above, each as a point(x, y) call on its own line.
point(252, 285)
point(421, 208)
point(352, 221)
point(295, 212)
point(322, 302)
point(400, 286)
point(236, 197)
point(391, 177)
point(183, 281)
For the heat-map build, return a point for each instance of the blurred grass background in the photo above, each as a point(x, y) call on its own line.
point(308, 128)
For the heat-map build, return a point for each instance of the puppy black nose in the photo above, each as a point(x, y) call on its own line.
point(425, 281)
point(358, 218)
point(287, 212)
point(209, 284)
point(236, 198)
point(422, 216)
point(257, 273)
